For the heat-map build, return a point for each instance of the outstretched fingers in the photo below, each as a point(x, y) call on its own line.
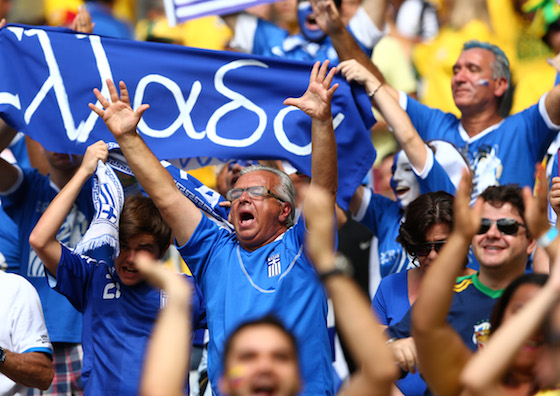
point(124, 93)
point(314, 72)
point(323, 70)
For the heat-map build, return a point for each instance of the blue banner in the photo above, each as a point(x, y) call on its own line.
point(204, 104)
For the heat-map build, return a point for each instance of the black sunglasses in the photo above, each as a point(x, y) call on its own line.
point(505, 226)
point(425, 249)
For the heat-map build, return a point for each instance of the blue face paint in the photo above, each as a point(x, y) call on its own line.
point(304, 10)
point(242, 163)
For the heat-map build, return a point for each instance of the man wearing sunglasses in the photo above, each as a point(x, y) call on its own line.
point(261, 268)
point(502, 246)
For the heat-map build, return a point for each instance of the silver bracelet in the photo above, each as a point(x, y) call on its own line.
point(372, 93)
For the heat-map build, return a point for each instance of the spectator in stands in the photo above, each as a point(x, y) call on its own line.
point(261, 355)
point(322, 34)
point(503, 232)
point(262, 211)
point(25, 348)
point(119, 308)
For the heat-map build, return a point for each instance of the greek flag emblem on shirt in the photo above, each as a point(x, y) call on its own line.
point(273, 265)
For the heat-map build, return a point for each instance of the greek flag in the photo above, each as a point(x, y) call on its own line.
point(206, 106)
point(178, 11)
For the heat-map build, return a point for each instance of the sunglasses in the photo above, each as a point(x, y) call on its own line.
point(425, 249)
point(253, 192)
point(505, 226)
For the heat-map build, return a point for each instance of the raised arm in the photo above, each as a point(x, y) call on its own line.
point(376, 11)
point(328, 19)
point(43, 237)
point(536, 215)
point(485, 371)
point(82, 21)
point(384, 99)
point(177, 210)
point(441, 352)
point(552, 101)
point(357, 325)
point(168, 352)
point(316, 103)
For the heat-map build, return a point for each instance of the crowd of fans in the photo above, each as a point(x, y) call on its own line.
point(443, 276)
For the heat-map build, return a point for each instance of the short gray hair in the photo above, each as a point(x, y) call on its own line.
point(285, 189)
point(500, 68)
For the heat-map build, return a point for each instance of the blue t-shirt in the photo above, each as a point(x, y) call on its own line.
point(118, 321)
point(9, 247)
point(503, 153)
point(108, 25)
point(25, 205)
point(390, 304)
point(383, 217)
point(469, 313)
point(276, 279)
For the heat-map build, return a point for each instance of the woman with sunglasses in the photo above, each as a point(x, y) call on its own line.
point(418, 168)
point(428, 223)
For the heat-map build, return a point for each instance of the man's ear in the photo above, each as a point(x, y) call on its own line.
point(501, 87)
point(532, 244)
point(285, 211)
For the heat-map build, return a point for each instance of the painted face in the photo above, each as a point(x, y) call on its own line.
point(258, 220)
point(262, 361)
point(472, 84)
point(307, 23)
point(530, 351)
point(404, 181)
point(436, 233)
point(124, 263)
point(494, 249)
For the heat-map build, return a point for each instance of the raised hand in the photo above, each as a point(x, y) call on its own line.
point(82, 21)
point(554, 194)
point(97, 151)
point(163, 278)
point(352, 70)
point(536, 208)
point(467, 219)
point(326, 15)
point(118, 115)
point(316, 101)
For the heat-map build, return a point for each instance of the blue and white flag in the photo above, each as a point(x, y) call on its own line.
point(178, 11)
point(204, 104)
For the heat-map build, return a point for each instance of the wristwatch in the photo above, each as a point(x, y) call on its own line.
point(342, 266)
point(2, 355)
